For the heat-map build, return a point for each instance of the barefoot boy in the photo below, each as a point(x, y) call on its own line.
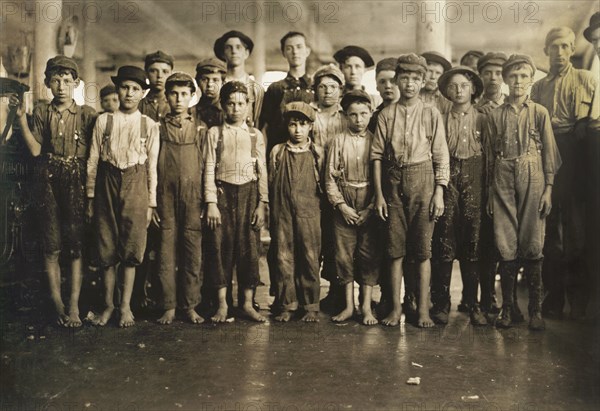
point(121, 187)
point(349, 189)
point(296, 224)
point(522, 161)
point(60, 139)
point(236, 196)
point(410, 170)
point(180, 168)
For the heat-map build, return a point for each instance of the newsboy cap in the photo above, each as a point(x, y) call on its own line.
point(411, 62)
point(329, 70)
point(299, 107)
point(388, 63)
point(181, 78)
point(158, 57)
point(61, 61)
point(210, 65)
point(515, 59)
point(354, 96)
point(491, 58)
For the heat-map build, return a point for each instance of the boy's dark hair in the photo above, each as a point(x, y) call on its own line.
point(230, 88)
point(59, 71)
point(169, 86)
point(297, 117)
point(200, 75)
point(289, 35)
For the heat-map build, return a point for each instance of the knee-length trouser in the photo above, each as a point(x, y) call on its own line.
point(518, 187)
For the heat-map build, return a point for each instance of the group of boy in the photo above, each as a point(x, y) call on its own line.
point(441, 162)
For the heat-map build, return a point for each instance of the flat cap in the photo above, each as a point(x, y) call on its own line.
point(515, 59)
point(354, 96)
point(386, 64)
point(472, 53)
point(594, 24)
point(61, 61)
point(131, 73)
point(435, 57)
point(210, 65)
point(491, 58)
point(230, 88)
point(300, 107)
point(341, 55)
point(329, 70)
point(106, 90)
point(219, 47)
point(158, 57)
point(181, 78)
point(468, 72)
point(411, 62)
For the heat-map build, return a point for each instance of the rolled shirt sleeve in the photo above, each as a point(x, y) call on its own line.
point(439, 150)
point(550, 155)
point(152, 147)
point(210, 157)
point(92, 162)
point(331, 170)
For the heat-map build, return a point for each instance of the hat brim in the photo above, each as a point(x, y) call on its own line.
point(170, 63)
point(118, 80)
point(292, 113)
point(444, 78)
point(342, 55)
point(587, 33)
point(219, 47)
point(417, 68)
point(491, 62)
point(437, 59)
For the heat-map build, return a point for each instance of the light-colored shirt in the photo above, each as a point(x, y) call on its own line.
point(510, 134)
point(405, 128)
point(463, 133)
point(348, 160)
point(124, 148)
point(568, 96)
point(327, 125)
point(236, 165)
point(256, 95)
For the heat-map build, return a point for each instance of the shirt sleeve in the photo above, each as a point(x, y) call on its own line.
point(37, 128)
point(210, 158)
point(439, 150)
point(261, 162)
point(259, 95)
point(272, 164)
point(550, 156)
point(92, 163)
point(331, 173)
point(152, 146)
point(378, 145)
point(489, 133)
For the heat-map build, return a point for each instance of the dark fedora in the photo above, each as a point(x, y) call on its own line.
point(468, 72)
point(131, 73)
point(594, 24)
point(219, 47)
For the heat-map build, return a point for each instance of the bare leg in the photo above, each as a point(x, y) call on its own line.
point(248, 308)
point(76, 275)
point(396, 272)
point(221, 314)
point(127, 319)
point(348, 311)
point(425, 282)
point(368, 317)
point(167, 317)
point(109, 295)
point(53, 270)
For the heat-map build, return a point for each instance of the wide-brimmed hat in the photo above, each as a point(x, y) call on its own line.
point(219, 47)
point(341, 55)
point(469, 72)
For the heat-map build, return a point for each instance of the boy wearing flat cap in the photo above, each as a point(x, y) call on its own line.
point(236, 197)
point(569, 95)
point(296, 86)
point(210, 76)
point(410, 170)
point(456, 234)
point(60, 141)
point(121, 187)
point(490, 71)
point(385, 71)
point(179, 211)
point(158, 66)
point(430, 93)
point(109, 99)
point(349, 187)
point(294, 186)
point(471, 59)
point(353, 61)
point(234, 47)
point(522, 160)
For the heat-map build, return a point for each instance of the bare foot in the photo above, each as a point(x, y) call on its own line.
point(220, 316)
point(425, 321)
point(368, 317)
point(252, 313)
point(73, 320)
point(393, 319)
point(344, 315)
point(167, 317)
point(127, 319)
point(311, 317)
point(104, 317)
point(194, 317)
point(284, 317)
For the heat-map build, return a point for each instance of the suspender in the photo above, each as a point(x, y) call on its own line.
point(143, 131)
point(253, 149)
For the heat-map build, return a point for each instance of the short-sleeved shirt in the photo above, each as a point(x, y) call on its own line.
point(62, 133)
point(464, 133)
point(510, 134)
point(209, 112)
point(404, 127)
point(154, 105)
point(568, 96)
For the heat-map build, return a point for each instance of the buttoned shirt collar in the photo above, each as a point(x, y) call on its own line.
point(72, 107)
point(244, 126)
point(175, 119)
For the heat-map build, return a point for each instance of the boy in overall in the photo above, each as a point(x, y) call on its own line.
point(236, 197)
point(522, 161)
point(348, 183)
point(179, 211)
point(60, 139)
point(410, 170)
point(294, 181)
point(121, 187)
point(456, 234)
